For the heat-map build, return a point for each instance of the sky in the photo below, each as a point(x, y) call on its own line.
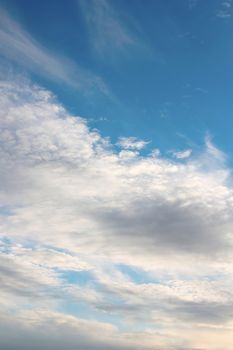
point(116, 188)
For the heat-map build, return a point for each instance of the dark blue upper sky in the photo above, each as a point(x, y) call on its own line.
point(162, 69)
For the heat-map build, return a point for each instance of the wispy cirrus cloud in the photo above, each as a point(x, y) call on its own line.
point(108, 31)
point(18, 46)
point(192, 4)
point(225, 11)
point(182, 154)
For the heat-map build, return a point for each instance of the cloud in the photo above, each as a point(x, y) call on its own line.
point(108, 30)
point(225, 11)
point(42, 329)
point(192, 4)
point(18, 46)
point(71, 168)
point(182, 154)
point(214, 151)
point(72, 203)
point(131, 143)
point(206, 302)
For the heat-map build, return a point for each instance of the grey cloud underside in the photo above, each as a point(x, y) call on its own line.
point(149, 302)
point(169, 227)
point(144, 303)
point(50, 332)
point(54, 336)
point(20, 281)
point(210, 313)
point(205, 312)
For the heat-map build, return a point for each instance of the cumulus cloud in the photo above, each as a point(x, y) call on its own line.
point(131, 143)
point(80, 185)
point(70, 202)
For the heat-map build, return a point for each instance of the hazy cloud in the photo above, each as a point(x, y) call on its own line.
point(225, 10)
point(18, 46)
point(108, 29)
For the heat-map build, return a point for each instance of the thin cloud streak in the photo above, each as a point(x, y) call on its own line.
point(108, 31)
point(20, 47)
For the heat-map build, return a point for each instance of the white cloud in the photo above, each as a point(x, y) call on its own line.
point(125, 154)
point(131, 143)
point(182, 154)
point(70, 202)
point(214, 151)
point(71, 168)
point(50, 258)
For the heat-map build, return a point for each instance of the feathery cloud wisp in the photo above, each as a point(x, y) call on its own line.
point(20, 47)
point(108, 31)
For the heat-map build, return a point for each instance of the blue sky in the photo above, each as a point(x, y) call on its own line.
point(116, 194)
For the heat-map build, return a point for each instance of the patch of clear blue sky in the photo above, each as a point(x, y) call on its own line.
point(176, 79)
point(80, 278)
point(137, 275)
point(5, 211)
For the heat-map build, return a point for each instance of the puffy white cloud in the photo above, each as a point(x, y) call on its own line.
point(59, 175)
point(71, 202)
point(131, 143)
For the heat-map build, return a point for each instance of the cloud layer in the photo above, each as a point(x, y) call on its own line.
point(83, 223)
